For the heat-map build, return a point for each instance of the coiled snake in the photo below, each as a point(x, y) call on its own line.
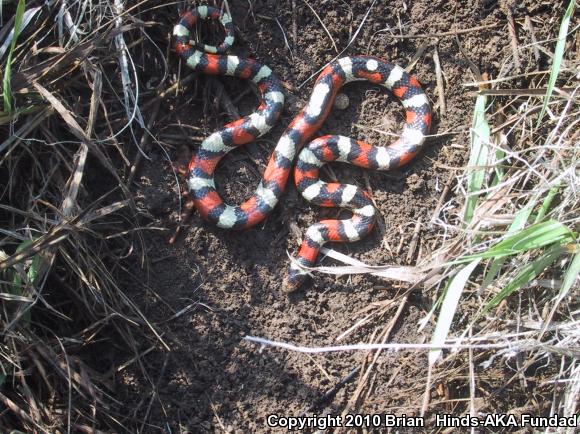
point(210, 60)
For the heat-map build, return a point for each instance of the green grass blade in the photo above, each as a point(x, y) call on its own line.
point(571, 275)
point(527, 274)
point(7, 96)
point(449, 306)
point(533, 237)
point(558, 56)
point(546, 203)
point(480, 134)
point(522, 216)
point(518, 224)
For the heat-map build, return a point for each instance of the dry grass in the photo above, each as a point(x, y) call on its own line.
point(73, 113)
point(72, 134)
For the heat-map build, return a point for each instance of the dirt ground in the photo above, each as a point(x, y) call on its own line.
point(212, 287)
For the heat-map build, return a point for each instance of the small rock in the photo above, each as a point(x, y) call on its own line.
point(341, 102)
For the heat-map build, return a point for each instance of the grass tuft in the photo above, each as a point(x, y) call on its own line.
point(558, 56)
point(480, 148)
point(7, 72)
point(68, 222)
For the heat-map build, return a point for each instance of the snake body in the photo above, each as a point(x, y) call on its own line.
point(304, 125)
point(208, 59)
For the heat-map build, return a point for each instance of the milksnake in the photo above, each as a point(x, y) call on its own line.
point(209, 60)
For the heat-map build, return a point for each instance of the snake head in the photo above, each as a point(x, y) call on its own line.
point(295, 277)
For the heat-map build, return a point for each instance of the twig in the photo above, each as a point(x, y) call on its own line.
point(411, 275)
point(530, 27)
point(163, 94)
point(416, 56)
point(401, 241)
point(539, 92)
point(322, 23)
point(134, 359)
point(215, 413)
point(472, 388)
point(522, 344)
point(385, 337)
point(440, 85)
point(189, 206)
point(480, 84)
point(442, 198)
point(414, 239)
point(446, 34)
point(426, 393)
point(11, 405)
point(330, 392)
point(513, 37)
point(345, 48)
point(294, 25)
point(144, 142)
point(76, 179)
point(285, 38)
point(129, 96)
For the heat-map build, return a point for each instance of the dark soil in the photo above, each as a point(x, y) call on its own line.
point(212, 287)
